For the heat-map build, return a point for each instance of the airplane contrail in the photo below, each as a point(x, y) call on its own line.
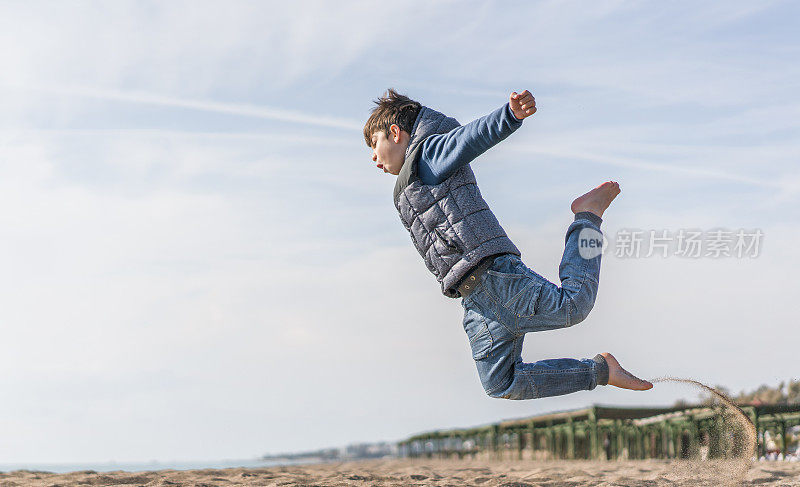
point(657, 167)
point(255, 111)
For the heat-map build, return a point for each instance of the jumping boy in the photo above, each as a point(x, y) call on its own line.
point(471, 256)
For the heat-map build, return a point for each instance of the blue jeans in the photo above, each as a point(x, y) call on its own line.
point(512, 300)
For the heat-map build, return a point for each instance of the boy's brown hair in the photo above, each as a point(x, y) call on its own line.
point(392, 108)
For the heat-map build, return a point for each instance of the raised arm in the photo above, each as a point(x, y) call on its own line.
point(444, 154)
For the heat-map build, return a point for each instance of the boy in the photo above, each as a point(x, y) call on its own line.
point(471, 256)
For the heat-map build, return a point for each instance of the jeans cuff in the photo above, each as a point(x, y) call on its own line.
point(588, 215)
point(601, 369)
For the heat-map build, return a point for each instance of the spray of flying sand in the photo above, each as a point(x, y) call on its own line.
point(732, 471)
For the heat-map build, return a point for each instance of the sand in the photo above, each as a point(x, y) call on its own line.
point(442, 473)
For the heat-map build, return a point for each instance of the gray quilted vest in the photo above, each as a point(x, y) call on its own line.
point(450, 224)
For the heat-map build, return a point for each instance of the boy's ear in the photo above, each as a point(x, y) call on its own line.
point(394, 133)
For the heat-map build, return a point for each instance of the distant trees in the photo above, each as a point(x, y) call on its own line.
point(784, 393)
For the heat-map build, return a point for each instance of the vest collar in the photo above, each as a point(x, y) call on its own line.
point(429, 122)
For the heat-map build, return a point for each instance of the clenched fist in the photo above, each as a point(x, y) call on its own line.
point(522, 104)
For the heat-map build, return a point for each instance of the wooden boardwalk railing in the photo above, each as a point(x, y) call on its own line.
point(602, 432)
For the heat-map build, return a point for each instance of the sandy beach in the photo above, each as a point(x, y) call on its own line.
point(441, 473)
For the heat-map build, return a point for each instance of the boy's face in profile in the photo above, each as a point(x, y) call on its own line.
point(389, 149)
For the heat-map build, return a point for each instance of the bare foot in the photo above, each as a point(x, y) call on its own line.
point(597, 200)
point(619, 377)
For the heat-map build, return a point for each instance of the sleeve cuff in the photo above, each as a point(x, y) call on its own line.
point(511, 115)
point(588, 215)
point(601, 368)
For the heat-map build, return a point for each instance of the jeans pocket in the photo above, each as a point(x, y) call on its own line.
point(517, 293)
point(480, 338)
point(526, 302)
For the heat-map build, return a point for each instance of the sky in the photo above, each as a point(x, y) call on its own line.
point(199, 260)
